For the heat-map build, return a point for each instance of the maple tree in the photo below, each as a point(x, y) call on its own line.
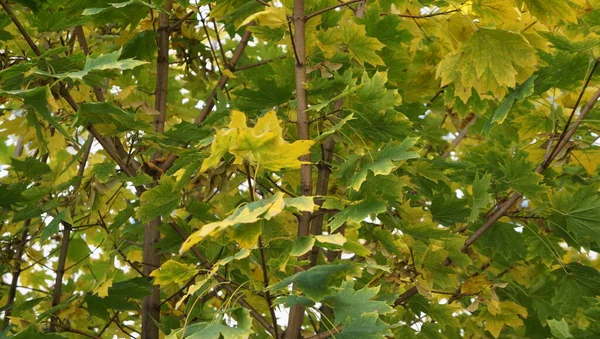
point(299, 169)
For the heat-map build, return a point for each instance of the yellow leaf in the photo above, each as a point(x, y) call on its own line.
point(272, 17)
point(335, 239)
point(262, 145)
point(135, 256)
point(588, 159)
point(102, 289)
point(495, 10)
point(503, 313)
point(551, 11)
point(304, 203)
point(20, 322)
point(474, 284)
point(492, 60)
point(229, 73)
point(245, 214)
point(173, 272)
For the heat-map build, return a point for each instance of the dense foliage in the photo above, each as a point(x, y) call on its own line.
point(292, 169)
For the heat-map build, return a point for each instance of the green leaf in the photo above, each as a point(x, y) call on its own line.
point(31, 333)
point(565, 71)
point(211, 331)
point(173, 272)
point(503, 314)
point(302, 245)
point(360, 46)
point(571, 45)
point(367, 326)
point(52, 227)
point(30, 167)
point(577, 213)
point(574, 283)
point(41, 101)
point(141, 47)
point(385, 162)
point(386, 28)
point(109, 61)
point(348, 303)
point(519, 175)
point(108, 119)
point(357, 212)
point(503, 240)
point(373, 98)
point(317, 282)
point(520, 93)
point(559, 328)
point(492, 60)
point(104, 171)
point(245, 214)
point(158, 201)
point(481, 197)
point(449, 210)
point(96, 10)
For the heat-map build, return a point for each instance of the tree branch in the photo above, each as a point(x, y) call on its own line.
point(303, 123)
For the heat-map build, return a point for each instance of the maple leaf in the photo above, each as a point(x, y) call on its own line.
point(492, 60)
point(349, 303)
point(262, 144)
point(505, 313)
point(173, 272)
point(551, 11)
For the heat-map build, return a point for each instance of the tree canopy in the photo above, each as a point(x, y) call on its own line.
point(299, 169)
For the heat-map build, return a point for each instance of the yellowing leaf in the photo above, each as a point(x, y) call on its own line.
point(360, 46)
point(587, 158)
point(173, 272)
point(102, 289)
point(495, 10)
point(492, 60)
point(272, 17)
point(304, 203)
point(506, 313)
point(335, 239)
point(474, 284)
point(249, 213)
point(551, 11)
point(262, 144)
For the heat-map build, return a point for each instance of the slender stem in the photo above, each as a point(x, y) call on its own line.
point(20, 27)
point(151, 258)
point(260, 63)
point(12, 291)
point(177, 23)
point(263, 262)
point(568, 124)
point(60, 272)
point(460, 137)
point(324, 171)
point(299, 44)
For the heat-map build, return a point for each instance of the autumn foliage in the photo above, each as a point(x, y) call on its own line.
point(299, 169)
